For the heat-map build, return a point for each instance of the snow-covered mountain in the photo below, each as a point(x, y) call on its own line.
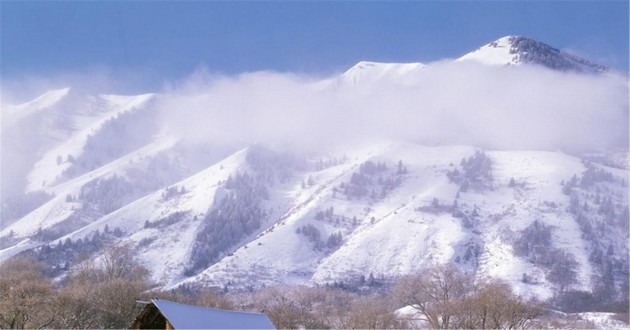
point(366, 72)
point(102, 170)
point(515, 50)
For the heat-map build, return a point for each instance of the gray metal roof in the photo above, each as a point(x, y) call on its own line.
point(183, 316)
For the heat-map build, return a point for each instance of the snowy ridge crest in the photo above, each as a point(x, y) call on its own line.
point(103, 171)
point(516, 50)
point(371, 72)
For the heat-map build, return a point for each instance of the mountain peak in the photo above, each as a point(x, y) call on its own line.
point(506, 40)
point(383, 66)
point(50, 97)
point(368, 71)
point(11, 112)
point(516, 50)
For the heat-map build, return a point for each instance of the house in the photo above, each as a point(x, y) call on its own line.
point(164, 314)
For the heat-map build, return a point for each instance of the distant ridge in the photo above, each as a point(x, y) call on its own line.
point(516, 50)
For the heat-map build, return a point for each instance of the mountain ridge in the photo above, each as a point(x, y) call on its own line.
point(516, 50)
point(116, 177)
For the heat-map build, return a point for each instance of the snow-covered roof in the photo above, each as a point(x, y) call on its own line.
point(183, 316)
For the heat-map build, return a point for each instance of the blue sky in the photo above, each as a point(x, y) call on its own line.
point(152, 42)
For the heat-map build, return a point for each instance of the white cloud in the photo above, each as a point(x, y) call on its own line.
point(447, 103)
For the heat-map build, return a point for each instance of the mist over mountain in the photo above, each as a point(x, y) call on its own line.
point(444, 103)
point(510, 162)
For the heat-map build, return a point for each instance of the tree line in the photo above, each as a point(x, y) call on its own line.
point(102, 293)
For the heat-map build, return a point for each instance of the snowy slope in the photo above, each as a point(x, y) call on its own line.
point(400, 234)
point(517, 50)
point(168, 245)
point(366, 72)
point(13, 113)
point(47, 170)
point(383, 209)
point(494, 53)
point(59, 209)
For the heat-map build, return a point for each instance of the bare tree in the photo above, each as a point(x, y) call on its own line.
point(314, 306)
point(281, 308)
point(434, 294)
point(493, 305)
point(371, 313)
point(119, 263)
point(102, 292)
point(304, 307)
point(75, 309)
point(447, 298)
point(328, 306)
point(25, 295)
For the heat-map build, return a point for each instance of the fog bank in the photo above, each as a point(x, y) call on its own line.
point(445, 103)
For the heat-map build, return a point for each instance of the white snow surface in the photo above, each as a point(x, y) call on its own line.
point(168, 251)
point(46, 171)
point(59, 209)
point(13, 113)
point(494, 53)
point(403, 238)
point(603, 320)
point(395, 234)
point(366, 72)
